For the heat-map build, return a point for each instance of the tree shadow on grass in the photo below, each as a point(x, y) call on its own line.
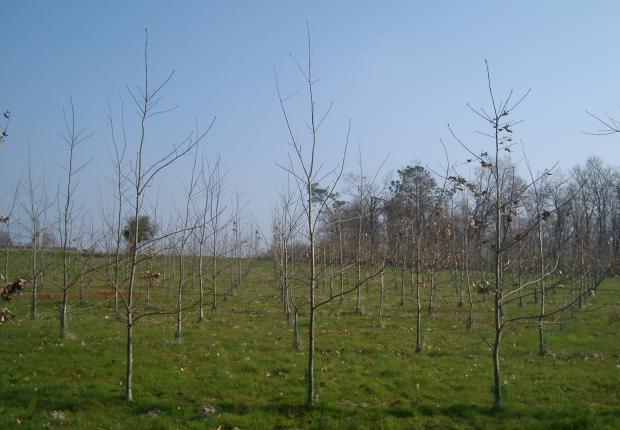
point(76, 397)
point(470, 415)
point(57, 396)
point(86, 397)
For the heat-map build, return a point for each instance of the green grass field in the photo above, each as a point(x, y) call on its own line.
point(241, 363)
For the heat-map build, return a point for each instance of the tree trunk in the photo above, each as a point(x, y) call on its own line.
point(418, 337)
point(201, 316)
point(381, 292)
point(35, 276)
point(341, 299)
point(541, 320)
point(358, 296)
point(497, 383)
point(431, 299)
point(214, 284)
point(178, 335)
point(296, 343)
point(311, 389)
point(129, 376)
point(64, 310)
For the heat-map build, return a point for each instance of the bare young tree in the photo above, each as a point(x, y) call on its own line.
point(185, 231)
point(286, 221)
point(360, 248)
point(206, 181)
point(35, 208)
point(119, 182)
point(73, 138)
point(416, 201)
point(538, 206)
point(304, 169)
point(215, 213)
point(143, 174)
point(504, 196)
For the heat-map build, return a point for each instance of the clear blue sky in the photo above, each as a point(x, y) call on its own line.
point(401, 70)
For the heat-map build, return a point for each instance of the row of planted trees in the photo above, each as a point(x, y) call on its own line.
point(128, 250)
point(486, 229)
point(134, 264)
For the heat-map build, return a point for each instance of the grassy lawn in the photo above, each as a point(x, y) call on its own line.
point(238, 369)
